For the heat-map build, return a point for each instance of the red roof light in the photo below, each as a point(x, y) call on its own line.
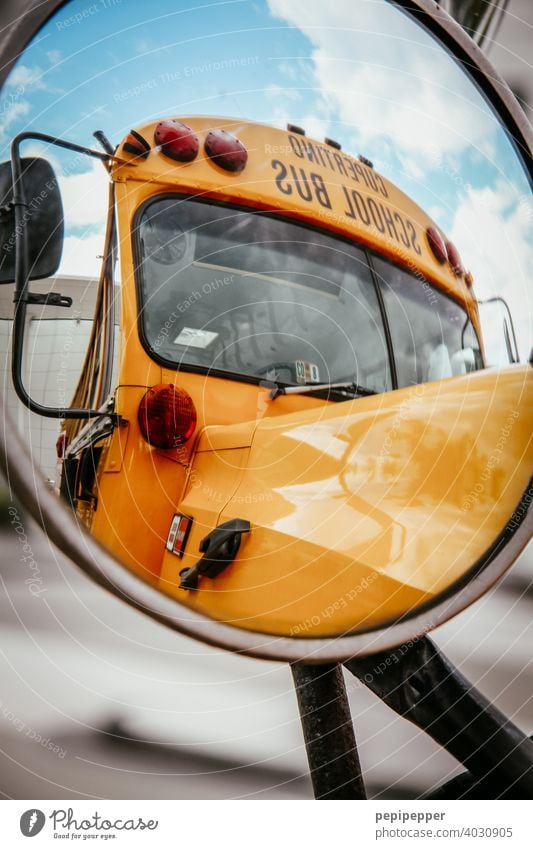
point(436, 243)
point(177, 141)
point(226, 150)
point(454, 259)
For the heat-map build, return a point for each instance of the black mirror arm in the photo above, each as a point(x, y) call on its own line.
point(110, 256)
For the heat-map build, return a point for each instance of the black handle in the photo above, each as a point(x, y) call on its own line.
point(219, 549)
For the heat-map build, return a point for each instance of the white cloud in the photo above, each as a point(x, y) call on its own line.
point(492, 229)
point(316, 127)
point(11, 113)
point(383, 76)
point(85, 199)
point(85, 196)
point(288, 70)
point(274, 92)
point(81, 255)
point(374, 71)
point(54, 56)
point(24, 77)
point(144, 45)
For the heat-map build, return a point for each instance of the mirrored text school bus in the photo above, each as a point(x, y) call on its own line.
point(301, 438)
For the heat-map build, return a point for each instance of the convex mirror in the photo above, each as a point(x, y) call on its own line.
point(289, 421)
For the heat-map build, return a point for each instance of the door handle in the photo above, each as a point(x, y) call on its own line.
point(219, 549)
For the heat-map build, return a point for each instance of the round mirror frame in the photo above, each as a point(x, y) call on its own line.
point(19, 22)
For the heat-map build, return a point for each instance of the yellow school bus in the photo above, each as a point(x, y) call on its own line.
point(303, 439)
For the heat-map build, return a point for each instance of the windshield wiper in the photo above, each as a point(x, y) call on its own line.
point(350, 389)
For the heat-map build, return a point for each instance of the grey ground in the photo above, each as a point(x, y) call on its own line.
point(83, 673)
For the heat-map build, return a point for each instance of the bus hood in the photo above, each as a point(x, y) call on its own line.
point(360, 511)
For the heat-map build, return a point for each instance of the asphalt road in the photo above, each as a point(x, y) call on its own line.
point(98, 701)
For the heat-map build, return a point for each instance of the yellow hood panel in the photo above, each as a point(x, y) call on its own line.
point(361, 510)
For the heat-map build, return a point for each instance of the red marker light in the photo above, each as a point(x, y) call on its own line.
point(436, 243)
point(226, 150)
point(177, 140)
point(167, 416)
point(61, 445)
point(454, 259)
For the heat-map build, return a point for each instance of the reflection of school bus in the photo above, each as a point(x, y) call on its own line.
point(275, 290)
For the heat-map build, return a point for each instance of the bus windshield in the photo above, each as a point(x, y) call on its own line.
point(251, 294)
point(432, 335)
point(242, 293)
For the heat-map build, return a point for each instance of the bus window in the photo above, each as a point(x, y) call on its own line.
point(432, 336)
point(249, 294)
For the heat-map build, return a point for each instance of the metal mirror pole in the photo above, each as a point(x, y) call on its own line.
point(328, 731)
point(421, 684)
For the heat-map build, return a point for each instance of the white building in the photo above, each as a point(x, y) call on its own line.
point(55, 345)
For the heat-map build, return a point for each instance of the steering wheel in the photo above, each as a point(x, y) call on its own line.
point(165, 248)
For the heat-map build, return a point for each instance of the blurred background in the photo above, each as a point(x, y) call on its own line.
point(99, 702)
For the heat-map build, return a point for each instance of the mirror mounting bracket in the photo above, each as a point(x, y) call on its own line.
point(50, 299)
point(7, 208)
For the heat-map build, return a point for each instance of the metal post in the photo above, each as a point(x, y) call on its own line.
point(423, 686)
point(328, 731)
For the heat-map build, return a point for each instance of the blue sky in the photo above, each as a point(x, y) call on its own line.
point(356, 70)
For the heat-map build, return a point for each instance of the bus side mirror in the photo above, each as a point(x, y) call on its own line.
point(42, 220)
point(463, 361)
point(501, 346)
